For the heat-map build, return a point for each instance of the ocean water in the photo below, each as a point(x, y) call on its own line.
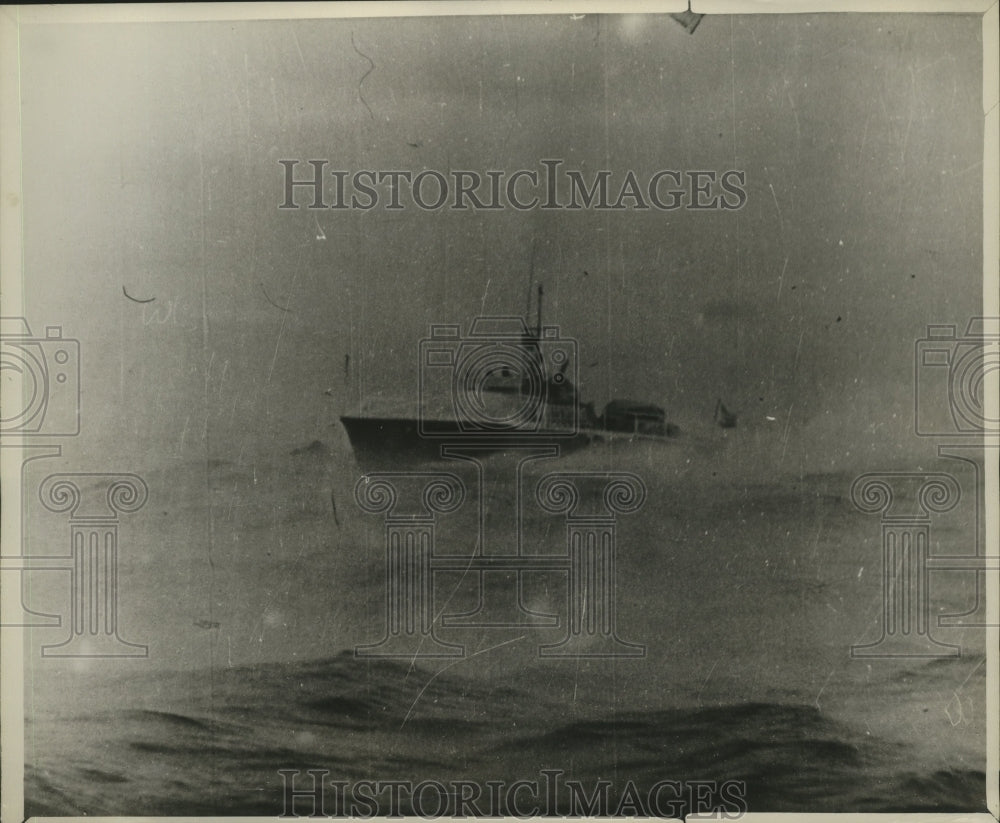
point(746, 587)
point(394, 722)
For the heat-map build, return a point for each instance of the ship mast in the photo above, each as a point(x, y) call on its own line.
point(531, 279)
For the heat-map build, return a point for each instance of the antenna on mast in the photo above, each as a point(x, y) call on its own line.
point(531, 279)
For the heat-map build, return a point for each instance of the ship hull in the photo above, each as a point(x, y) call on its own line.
point(388, 442)
point(385, 443)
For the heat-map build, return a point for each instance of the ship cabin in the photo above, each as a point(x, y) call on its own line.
point(634, 417)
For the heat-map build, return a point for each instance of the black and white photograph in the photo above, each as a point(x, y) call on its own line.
point(499, 410)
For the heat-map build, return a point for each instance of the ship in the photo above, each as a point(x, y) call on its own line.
point(499, 385)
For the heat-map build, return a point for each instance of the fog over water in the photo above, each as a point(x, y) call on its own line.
point(153, 165)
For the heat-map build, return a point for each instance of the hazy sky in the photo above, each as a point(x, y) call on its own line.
point(151, 162)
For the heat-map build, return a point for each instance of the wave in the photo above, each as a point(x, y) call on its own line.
point(219, 753)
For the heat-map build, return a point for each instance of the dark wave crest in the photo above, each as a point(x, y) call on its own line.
point(220, 754)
